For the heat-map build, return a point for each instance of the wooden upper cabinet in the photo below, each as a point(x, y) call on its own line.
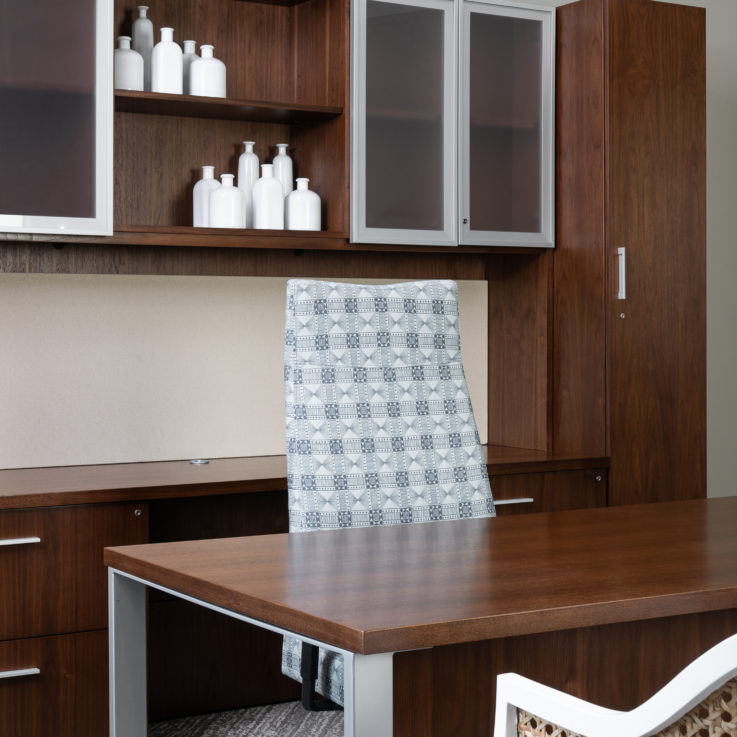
point(286, 82)
point(452, 123)
point(56, 118)
point(630, 329)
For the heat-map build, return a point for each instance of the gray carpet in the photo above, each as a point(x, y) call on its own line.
point(276, 720)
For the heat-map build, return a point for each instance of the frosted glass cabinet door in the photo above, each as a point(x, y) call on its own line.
point(403, 165)
point(56, 116)
point(506, 125)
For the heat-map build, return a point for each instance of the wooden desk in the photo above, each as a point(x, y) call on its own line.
point(604, 602)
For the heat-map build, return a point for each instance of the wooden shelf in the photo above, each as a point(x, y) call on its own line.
point(44, 487)
point(154, 103)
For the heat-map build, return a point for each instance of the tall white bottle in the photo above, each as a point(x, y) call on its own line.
point(166, 64)
point(143, 42)
point(247, 177)
point(268, 201)
point(226, 205)
point(283, 168)
point(188, 57)
point(207, 74)
point(201, 197)
point(303, 207)
point(128, 66)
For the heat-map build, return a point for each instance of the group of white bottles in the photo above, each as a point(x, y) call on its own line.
point(268, 202)
point(164, 67)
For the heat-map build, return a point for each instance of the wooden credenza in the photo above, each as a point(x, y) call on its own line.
point(53, 608)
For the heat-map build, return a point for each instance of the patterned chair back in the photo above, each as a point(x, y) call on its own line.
point(379, 423)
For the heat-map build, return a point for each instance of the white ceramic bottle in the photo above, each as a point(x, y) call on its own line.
point(207, 74)
point(166, 64)
point(268, 201)
point(143, 42)
point(303, 207)
point(247, 177)
point(283, 168)
point(188, 57)
point(201, 197)
point(226, 205)
point(128, 66)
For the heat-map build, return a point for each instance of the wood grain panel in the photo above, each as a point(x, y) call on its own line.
point(519, 350)
point(69, 698)
point(618, 666)
point(657, 211)
point(579, 358)
point(460, 581)
point(60, 584)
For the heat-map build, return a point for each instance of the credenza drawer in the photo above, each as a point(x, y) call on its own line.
point(66, 698)
point(51, 568)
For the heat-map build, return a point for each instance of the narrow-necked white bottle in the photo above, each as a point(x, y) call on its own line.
point(303, 207)
point(283, 168)
point(143, 42)
point(128, 66)
point(268, 201)
point(247, 177)
point(188, 57)
point(207, 74)
point(166, 64)
point(226, 205)
point(201, 197)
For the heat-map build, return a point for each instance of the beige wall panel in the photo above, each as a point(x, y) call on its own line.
point(115, 369)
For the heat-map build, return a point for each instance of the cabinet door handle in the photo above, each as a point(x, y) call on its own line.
point(622, 263)
point(20, 541)
point(517, 500)
point(20, 673)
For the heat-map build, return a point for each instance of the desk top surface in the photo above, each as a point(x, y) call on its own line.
point(403, 587)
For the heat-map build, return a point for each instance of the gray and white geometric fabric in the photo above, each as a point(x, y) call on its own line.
point(379, 423)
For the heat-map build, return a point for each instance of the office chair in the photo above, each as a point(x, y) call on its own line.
point(379, 423)
point(701, 699)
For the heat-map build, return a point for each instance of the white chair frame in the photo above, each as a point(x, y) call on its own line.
point(692, 685)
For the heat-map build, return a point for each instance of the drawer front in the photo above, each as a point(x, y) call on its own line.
point(66, 698)
point(51, 565)
point(548, 492)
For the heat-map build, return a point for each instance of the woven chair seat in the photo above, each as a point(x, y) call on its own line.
point(715, 716)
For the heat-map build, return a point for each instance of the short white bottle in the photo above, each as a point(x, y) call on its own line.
point(247, 177)
point(268, 201)
point(166, 64)
point(188, 57)
point(143, 42)
point(226, 205)
point(201, 197)
point(128, 66)
point(283, 168)
point(303, 207)
point(207, 74)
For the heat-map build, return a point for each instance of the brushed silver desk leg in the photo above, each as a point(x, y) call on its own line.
point(127, 653)
point(369, 695)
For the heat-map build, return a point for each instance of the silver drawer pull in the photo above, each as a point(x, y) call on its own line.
point(19, 673)
point(518, 500)
point(20, 541)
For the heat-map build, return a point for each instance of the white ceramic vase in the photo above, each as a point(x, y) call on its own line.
point(207, 74)
point(188, 57)
point(303, 207)
point(226, 205)
point(128, 66)
point(283, 168)
point(247, 177)
point(143, 42)
point(201, 197)
point(166, 64)
point(268, 201)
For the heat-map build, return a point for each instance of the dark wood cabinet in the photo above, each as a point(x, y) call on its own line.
point(630, 373)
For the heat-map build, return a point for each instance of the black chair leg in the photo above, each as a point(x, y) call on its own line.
point(308, 670)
